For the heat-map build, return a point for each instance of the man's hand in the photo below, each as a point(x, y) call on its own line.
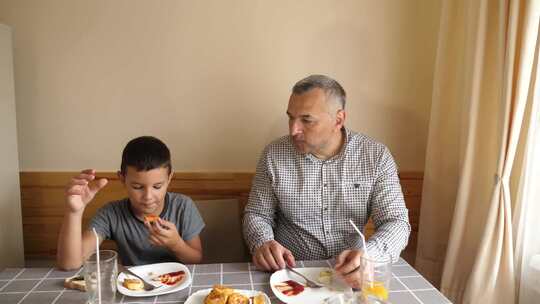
point(81, 190)
point(163, 233)
point(272, 256)
point(348, 267)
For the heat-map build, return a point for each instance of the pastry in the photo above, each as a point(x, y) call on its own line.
point(259, 299)
point(237, 298)
point(133, 284)
point(223, 289)
point(218, 295)
point(215, 298)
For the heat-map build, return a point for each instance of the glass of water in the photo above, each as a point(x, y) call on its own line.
point(108, 268)
point(376, 275)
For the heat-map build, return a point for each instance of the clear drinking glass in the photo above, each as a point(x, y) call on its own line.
point(376, 275)
point(108, 270)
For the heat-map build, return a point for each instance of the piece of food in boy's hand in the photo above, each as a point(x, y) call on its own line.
point(151, 218)
point(76, 282)
point(133, 284)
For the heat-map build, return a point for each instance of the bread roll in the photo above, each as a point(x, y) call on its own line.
point(76, 282)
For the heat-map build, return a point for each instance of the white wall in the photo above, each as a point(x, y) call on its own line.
point(11, 244)
point(212, 78)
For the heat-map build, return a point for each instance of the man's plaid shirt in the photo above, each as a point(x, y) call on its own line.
point(305, 203)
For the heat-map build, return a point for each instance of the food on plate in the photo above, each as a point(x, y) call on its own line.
point(75, 282)
point(325, 277)
point(223, 289)
point(218, 295)
point(151, 218)
point(290, 288)
point(170, 278)
point(237, 298)
point(133, 284)
point(221, 294)
point(259, 299)
point(215, 298)
point(332, 282)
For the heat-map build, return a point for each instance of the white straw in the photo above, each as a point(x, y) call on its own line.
point(370, 274)
point(361, 236)
point(98, 270)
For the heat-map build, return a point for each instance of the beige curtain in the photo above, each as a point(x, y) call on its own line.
point(484, 80)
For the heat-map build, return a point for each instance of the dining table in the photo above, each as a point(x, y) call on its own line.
point(44, 285)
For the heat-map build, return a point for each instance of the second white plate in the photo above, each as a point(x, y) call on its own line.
point(309, 295)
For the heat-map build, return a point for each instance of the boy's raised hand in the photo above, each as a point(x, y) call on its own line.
point(163, 233)
point(81, 190)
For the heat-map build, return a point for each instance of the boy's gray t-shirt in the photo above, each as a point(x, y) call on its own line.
point(116, 221)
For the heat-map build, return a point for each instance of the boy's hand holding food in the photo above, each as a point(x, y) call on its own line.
point(163, 233)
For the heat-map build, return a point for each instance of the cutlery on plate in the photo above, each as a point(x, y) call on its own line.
point(147, 286)
point(309, 283)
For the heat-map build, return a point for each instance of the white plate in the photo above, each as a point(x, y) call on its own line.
point(157, 269)
point(309, 295)
point(198, 297)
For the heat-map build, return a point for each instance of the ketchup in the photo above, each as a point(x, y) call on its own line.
point(296, 287)
point(172, 278)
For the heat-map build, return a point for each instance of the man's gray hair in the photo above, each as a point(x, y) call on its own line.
point(331, 88)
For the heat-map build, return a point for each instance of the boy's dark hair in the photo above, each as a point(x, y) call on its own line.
point(144, 154)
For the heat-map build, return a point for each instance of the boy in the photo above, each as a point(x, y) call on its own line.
point(145, 172)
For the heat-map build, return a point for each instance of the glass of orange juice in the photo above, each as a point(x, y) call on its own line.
point(376, 275)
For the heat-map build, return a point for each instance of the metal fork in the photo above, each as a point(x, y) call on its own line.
point(309, 283)
point(147, 286)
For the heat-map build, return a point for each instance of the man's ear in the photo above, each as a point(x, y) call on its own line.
point(121, 177)
point(171, 176)
point(340, 118)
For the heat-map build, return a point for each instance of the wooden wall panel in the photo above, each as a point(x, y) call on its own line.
point(42, 196)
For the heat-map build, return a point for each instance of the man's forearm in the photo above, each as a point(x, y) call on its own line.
point(257, 231)
point(389, 239)
point(69, 255)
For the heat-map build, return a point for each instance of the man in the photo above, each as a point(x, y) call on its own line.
point(309, 184)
